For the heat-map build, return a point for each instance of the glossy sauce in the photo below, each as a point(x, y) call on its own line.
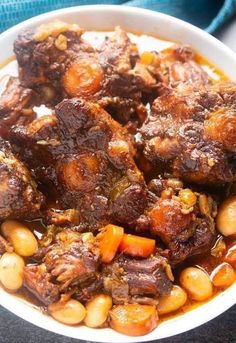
point(206, 262)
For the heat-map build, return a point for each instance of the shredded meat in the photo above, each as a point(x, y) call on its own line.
point(87, 160)
point(69, 265)
point(19, 195)
point(71, 261)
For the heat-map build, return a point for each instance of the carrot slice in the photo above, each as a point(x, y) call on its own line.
point(134, 319)
point(137, 246)
point(109, 241)
point(231, 256)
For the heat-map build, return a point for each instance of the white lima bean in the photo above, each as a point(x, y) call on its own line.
point(11, 271)
point(223, 276)
point(197, 283)
point(97, 310)
point(71, 312)
point(173, 301)
point(226, 217)
point(21, 238)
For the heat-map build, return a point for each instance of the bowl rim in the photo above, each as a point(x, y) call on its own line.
point(116, 8)
point(179, 324)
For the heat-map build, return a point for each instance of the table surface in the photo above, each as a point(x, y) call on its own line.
point(220, 330)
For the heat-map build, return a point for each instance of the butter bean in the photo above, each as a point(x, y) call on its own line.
point(197, 283)
point(97, 310)
point(226, 217)
point(11, 271)
point(22, 239)
point(72, 312)
point(173, 301)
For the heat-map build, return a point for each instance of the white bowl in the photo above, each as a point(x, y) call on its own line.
point(104, 17)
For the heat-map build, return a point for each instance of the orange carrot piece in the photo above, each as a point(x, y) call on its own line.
point(134, 319)
point(109, 241)
point(137, 246)
point(230, 257)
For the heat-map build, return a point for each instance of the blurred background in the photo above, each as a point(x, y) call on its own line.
point(227, 33)
point(207, 14)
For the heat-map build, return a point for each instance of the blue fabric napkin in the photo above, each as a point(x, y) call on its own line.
point(207, 14)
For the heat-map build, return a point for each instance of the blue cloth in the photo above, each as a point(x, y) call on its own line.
point(207, 14)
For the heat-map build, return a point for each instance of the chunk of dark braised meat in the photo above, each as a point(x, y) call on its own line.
point(38, 281)
point(87, 293)
point(178, 67)
point(181, 218)
point(33, 143)
point(85, 159)
point(193, 132)
point(72, 259)
point(68, 65)
point(19, 195)
point(69, 266)
point(43, 55)
point(137, 280)
point(125, 85)
point(15, 106)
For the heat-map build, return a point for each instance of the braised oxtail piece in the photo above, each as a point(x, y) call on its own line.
point(137, 280)
point(193, 133)
point(19, 195)
point(85, 159)
point(57, 61)
point(69, 265)
point(181, 218)
point(177, 67)
point(15, 106)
